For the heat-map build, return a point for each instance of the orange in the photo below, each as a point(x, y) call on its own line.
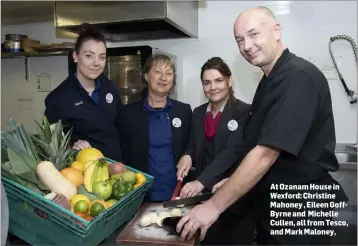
point(73, 175)
point(85, 216)
point(140, 178)
point(78, 165)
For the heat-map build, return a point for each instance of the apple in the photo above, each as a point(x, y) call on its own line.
point(103, 189)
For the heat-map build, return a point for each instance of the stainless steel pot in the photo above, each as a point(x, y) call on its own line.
point(12, 42)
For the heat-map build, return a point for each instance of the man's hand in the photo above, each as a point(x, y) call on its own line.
point(191, 189)
point(184, 166)
point(218, 185)
point(201, 216)
point(81, 144)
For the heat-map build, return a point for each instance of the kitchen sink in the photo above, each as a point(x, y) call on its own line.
point(346, 157)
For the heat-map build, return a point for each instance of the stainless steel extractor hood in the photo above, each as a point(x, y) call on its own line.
point(131, 20)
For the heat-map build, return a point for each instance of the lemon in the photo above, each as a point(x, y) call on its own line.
point(140, 178)
point(78, 165)
point(81, 206)
point(79, 197)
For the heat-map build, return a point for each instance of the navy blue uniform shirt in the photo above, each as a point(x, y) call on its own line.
point(94, 118)
point(161, 156)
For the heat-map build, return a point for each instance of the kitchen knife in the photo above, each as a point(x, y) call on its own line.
point(179, 186)
point(187, 201)
point(177, 189)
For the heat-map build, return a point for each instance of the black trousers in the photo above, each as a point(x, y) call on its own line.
point(235, 226)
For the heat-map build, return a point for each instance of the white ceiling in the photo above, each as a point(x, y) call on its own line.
point(19, 12)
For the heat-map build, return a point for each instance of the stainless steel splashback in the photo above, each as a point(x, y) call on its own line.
point(126, 73)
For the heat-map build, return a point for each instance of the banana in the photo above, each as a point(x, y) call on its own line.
point(105, 172)
point(98, 176)
point(94, 175)
point(89, 163)
point(88, 176)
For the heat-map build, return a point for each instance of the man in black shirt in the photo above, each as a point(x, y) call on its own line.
point(290, 141)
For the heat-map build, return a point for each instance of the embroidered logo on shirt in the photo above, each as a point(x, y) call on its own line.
point(176, 122)
point(78, 103)
point(109, 98)
point(232, 125)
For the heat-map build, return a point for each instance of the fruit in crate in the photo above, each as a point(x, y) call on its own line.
point(52, 144)
point(73, 175)
point(80, 197)
point(120, 189)
point(140, 179)
point(117, 176)
point(85, 216)
point(111, 202)
point(112, 181)
point(78, 165)
point(129, 177)
point(96, 170)
point(97, 206)
point(116, 167)
point(103, 189)
point(96, 209)
point(105, 204)
point(81, 206)
point(87, 155)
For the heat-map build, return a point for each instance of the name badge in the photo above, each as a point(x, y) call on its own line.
point(232, 125)
point(176, 122)
point(109, 98)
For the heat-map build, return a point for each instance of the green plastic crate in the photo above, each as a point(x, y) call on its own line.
point(39, 221)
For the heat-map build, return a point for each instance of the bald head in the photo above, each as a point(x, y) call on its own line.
point(258, 36)
point(262, 14)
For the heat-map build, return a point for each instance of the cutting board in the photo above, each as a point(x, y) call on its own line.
point(134, 234)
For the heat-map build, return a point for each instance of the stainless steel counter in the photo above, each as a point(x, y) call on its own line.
point(347, 173)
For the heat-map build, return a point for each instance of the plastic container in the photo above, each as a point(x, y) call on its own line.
point(40, 221)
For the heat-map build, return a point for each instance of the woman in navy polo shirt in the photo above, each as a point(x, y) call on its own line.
point(216, 145)
point(87, 101)
point(155, 131)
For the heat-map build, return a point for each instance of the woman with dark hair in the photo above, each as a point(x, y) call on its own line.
point(155, 131)
point(216, 145)
point(87, 101)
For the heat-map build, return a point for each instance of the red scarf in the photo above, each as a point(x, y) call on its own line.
point(211, 124)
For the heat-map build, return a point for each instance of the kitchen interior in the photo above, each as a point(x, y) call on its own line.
point(38, 38)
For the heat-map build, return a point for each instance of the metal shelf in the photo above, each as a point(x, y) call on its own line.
point(62, 52)
point(26, 55)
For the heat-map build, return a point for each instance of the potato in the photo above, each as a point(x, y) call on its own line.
point(161, 216)
point(145, 220)
point(175, 212)
point(153, 216)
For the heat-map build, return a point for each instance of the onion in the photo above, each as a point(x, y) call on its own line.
point(116, 167)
